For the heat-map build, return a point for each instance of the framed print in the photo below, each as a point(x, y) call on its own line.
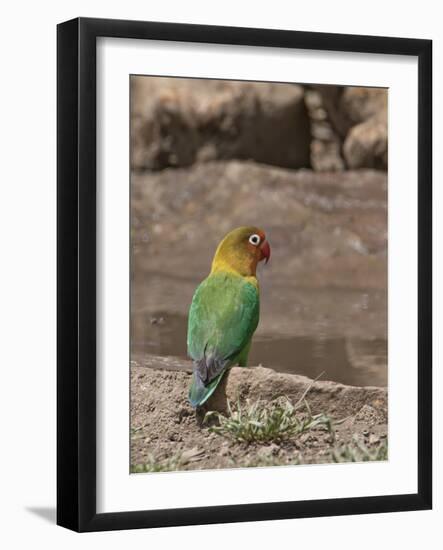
point(244, 274)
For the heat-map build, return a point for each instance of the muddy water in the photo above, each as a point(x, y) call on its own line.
point(349, 360)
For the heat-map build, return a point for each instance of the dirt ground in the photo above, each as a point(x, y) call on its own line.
point(164, 427)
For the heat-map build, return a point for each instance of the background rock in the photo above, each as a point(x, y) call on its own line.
point(367, 144)
point(360, 104)
point(359, 116)
point(326, 144)
point(178, 122)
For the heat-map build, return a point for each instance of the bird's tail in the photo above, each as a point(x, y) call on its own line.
point(199, 393)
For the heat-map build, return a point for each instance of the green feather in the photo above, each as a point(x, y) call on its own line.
point(222, 319)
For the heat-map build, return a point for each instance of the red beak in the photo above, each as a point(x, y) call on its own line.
point(265, 251)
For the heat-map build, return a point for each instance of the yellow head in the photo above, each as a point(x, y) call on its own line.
point(241, 250)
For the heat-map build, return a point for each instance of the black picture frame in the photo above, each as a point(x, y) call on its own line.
point(76, 280)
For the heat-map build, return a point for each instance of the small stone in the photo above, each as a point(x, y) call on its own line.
point(269, 450)
point(224, 450)
point(274, 449)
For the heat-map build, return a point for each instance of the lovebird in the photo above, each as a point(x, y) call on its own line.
point(225, 310)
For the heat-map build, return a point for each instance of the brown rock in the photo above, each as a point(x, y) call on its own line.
point(367, 144)
point(360, 104)
point(326, 145)
point(177, 122)
point(266, 384)
point(359, 116)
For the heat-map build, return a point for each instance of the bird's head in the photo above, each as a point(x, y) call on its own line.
point(241, 250)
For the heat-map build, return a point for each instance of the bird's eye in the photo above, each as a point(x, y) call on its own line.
point(254, 239)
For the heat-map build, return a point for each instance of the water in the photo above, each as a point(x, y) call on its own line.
point(352, 361)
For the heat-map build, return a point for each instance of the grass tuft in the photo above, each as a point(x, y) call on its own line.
point(264, 422)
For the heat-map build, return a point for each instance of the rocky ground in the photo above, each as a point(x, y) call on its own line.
point(168, 434)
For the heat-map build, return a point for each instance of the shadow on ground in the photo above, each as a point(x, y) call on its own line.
point(47, 513)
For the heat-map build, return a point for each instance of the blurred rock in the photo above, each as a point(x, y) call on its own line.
point(366, 144)
point(178, 122)
point(326, 144)
point(359, 116)
point(325, 155)
point(330, 99)
point(360, 104)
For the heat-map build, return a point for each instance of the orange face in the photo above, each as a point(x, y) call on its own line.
point(259, 246)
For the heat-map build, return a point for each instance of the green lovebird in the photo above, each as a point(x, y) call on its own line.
point(225, 310)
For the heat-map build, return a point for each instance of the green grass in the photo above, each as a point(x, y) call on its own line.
point(263, 422)
point(358, 452)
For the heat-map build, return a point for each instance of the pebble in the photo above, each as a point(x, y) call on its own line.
point(224, 450)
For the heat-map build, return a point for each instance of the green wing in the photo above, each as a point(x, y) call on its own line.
point(223, 316)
